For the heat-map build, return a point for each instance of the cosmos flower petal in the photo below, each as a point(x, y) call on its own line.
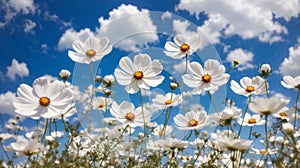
point(122, 77)
point(126, 65)
point(78, 46)
point(77, 57)
point(196, 69)
point(154, 81)
point(170, 46)
point(132, 88)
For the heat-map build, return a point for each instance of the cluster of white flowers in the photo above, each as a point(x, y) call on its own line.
point(131, 137)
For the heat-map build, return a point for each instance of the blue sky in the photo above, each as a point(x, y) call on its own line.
point(36, 35)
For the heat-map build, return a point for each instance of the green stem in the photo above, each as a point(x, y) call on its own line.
point(296, 110)
point(46, 125)
point(240, 129)
point(93, 84)
point(212, 102)
point(141, 104)
point(266, 86)
point(4, 150)
point(250, 133)
point(186, 63)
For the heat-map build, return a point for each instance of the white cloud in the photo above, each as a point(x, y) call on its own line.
point(290, 65)
point(245, 57)
point(16, 68)
point(24, 6)
point(166, 15)
point(6, 106)
point(128, 28)
point(70, 35)
point(229, 17)
point(12, 8)
point(29, 26)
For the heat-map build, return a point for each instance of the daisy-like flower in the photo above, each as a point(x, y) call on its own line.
point(139, 74)
point(286, 114)
point(64, 74)
point(159, 130)
point(93, 49)
point(102, 103)
point(191, 120)
point(230, 143)
point(249, 86)
point(182, 46)
point(265, 70)
point(173, 143)
point(266, 106)
point(168, 100)
point(26, 147)
point(290, 82)
point(44, 99)
point(128, 115)
point(225, 116)
point(251, 120)
point(208, 78)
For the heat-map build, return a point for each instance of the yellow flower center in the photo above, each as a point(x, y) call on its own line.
point(138, 75)
point(167, 102)
point(283, 114)
point(130, 116)
point(90, 53)
point(250, 89)
point(206, 78)
point(263, 151)
point(160, 133)
point(184, 47)
point(100, 105)
point(193, 123)
point(44, 101)
point(251, 120)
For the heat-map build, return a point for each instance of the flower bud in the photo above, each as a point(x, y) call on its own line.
point(265, 70)
point(64, 74)
point(109, 80)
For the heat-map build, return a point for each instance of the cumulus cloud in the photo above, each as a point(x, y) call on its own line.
point(17, 69)
point(259, 16)
point(290, 65)
point(6, 106)
point(132, 26)
point(166, 15)
point(12, 8)
point(29, 26)
point(70, 35)
point(245, 57)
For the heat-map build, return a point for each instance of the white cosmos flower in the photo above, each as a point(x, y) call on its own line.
point(286, 114)
point(208, 78)
point(191, 120)
point(139, 74)
point(183, 46)
point(26, 147)
point(173, 143)
point(44, 99)
point(102, 103)
point(165, 101)
point(127, 114)
point(251, 120)
point(230, 143)
point(158, 131)
point(265, 106)
point(93, 49)
point(290, 82)
point(249, 86)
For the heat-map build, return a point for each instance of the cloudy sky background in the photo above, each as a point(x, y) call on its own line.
point(35, 35)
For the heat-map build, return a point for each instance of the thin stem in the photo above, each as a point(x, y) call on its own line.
point(46, 125)
point(212, 102)
point(186, 64)
point(4, 150)
point(93, 84)
point(250, 133)
point(267, 139)
point(241, 125)
point(141, 104)
point(266, 86)
point(296, 110)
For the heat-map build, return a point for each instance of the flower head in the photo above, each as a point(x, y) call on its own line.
point(127, 114)
point(265, 70)
point(251, 120)
point(208, 78)
point(230, 143)
point(139, 74)
point(165, 101)
point(93, 49)
point(64, 74)
point(45, 99)
point(159, 130)
point(182, 46)
point(26, 147)
point(265, 106)
point(191, 120)
point(290, 82)
point(249, 86)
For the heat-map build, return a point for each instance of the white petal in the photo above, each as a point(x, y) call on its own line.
point(154, 81)
point(126, 64)
point(79, 46)
point(170, 46)
point(122, 77)
point(76, 57)
point(196, 69)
